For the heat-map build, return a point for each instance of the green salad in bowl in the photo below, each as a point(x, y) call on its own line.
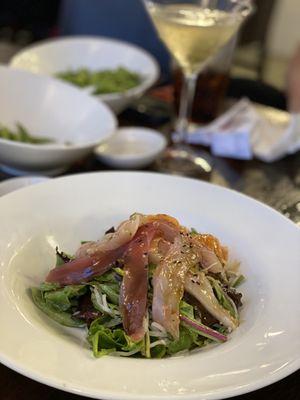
point(150, 288)
point(21, 134)
point(106, 81)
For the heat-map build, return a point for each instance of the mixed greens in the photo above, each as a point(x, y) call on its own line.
point(103, 81)
point(21, 134)
point(96, 297)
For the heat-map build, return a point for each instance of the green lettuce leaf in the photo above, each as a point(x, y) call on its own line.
point(100, 299)
point(107, 340)
point(158, 351)
point(146, 348)
point(112, 292)
point(238, 281)
point(119, 271)
point(108, 277)
point(85, 241)
point(49, 286)
point(151, 269)
point(59, 260)
point(61, 317)
point(186, 309)
point(61, 299)
point(185, 341)
point(62, 257)
point(108, 321)
point(223, 298)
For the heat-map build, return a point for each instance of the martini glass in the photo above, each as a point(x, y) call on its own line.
point(193, 31)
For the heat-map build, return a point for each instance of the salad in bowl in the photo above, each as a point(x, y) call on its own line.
point(150, 288)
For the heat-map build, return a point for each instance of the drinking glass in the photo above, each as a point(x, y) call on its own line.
point(193, 31)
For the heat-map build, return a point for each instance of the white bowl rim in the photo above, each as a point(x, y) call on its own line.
point(143, 86)
point(20, 182)
point(159, 137)
point(51, 146)
point(55, 145)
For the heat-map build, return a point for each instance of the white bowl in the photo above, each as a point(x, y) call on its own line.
point(49, 108)
point(63, 211)
point(133, 147)
point(95, 53)
point(10, 185)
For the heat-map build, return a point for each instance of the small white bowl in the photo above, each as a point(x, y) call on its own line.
point(133, 147)
point(95, 53)
point(49, 108)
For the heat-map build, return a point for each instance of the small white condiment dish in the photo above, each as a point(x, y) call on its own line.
point(132, 147)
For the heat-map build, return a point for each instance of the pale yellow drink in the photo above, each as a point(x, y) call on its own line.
point(193, 34)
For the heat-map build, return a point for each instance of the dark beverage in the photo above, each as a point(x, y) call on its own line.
point(210, 92)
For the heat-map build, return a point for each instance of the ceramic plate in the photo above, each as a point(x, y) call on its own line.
point(264, 349)
point(10, 185)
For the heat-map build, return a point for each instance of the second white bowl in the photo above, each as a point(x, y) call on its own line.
point(52, 109)
point(94, 53)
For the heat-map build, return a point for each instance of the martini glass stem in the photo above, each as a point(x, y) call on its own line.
point(185, 107)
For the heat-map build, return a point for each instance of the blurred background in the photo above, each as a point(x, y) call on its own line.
point(267, 42)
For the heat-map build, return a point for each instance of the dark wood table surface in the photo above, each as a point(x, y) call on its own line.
point(276, 184)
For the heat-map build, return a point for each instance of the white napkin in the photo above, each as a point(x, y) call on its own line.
point(247, 130)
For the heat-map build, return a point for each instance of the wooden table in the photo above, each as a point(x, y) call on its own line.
point(277, 184)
